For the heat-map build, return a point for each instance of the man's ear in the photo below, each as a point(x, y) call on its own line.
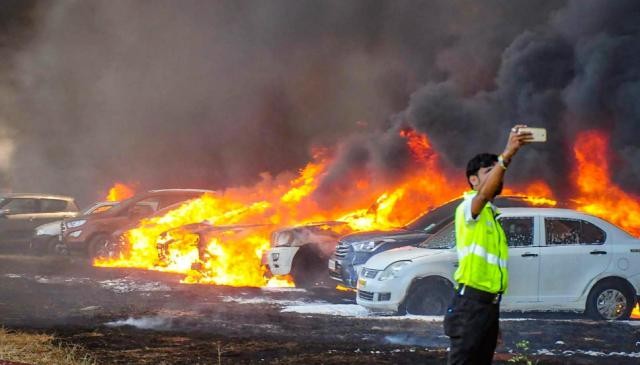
point(474, 180)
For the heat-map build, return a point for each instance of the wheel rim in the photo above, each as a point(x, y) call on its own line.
point(104, 249)
point(611, 304)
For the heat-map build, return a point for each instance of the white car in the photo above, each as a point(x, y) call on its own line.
point(303, 251)
point(559, 260)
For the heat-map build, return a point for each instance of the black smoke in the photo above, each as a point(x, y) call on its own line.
point(578, 71)
point(210, 94)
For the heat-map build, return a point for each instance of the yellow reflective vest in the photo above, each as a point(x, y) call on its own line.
point(482, 248)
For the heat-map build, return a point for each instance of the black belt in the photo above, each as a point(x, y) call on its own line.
point(479, 295)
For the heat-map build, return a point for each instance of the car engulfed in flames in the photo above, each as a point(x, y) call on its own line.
point(237, 224)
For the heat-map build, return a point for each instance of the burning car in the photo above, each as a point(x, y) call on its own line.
point(355, 249)
point(20, 214)
point(46, 238)
point(197, 236)
point(304, 251)
point(559, 260)
point(91, 233)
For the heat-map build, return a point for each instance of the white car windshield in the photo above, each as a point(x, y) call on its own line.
point(443, 239)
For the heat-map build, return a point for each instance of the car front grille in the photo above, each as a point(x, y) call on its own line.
point(369, 273)
point(366, 295)
point(342, 249)
point(335, 275)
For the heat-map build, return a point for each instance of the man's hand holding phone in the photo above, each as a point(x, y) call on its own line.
point(518, 137)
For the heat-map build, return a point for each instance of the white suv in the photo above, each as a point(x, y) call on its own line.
point(559, 259)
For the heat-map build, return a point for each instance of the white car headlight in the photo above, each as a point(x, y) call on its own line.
point(76, 223)
point(393, 270)
point(368, 246)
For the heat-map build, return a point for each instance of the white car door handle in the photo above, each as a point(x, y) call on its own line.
point(529, 254)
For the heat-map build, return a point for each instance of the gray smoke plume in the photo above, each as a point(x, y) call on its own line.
point(576, 72)
point(210, 94)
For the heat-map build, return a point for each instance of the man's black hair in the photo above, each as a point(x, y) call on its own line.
point(479, 161)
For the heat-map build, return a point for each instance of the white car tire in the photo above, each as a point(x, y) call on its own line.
point(429, 296)
point(610, 299)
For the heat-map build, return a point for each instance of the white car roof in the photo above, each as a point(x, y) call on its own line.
point(545, 211)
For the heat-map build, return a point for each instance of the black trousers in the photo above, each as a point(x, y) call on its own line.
point(472, 326)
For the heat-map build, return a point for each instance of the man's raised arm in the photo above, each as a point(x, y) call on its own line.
point(489, 188)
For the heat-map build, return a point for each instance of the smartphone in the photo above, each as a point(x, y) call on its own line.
point(538, 134)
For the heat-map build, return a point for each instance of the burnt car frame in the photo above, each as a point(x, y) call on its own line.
point(304, 251)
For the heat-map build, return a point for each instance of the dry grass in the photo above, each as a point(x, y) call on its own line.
point(39, 349)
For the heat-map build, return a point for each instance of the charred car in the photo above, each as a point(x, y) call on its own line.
point(197, 236)
point(304, 251)
point(355, 249)
point(91, 233)
point(20, 214)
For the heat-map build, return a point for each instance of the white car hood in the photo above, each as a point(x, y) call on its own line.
point(384, 259)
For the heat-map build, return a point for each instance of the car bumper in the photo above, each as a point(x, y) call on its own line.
point(346, 269)
point(40, 243)
point(381, 296)
point(346, 274)
point(279, 259)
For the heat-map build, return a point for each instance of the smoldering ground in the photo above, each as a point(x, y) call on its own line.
point(128, 316)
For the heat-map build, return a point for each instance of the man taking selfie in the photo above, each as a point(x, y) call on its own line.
point(471, 321)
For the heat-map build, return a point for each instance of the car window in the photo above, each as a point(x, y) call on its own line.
point(519, 230)
point(151, 204)
point(564, 231)
point(591, 234)
point(435, 219)
point(99, 209)
point(173, 199)
point(22, 206)
point(72, 206)
point(53, 205)
point(444, 238)
point(141, 210)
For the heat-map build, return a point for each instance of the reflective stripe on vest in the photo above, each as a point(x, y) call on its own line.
point(482, 250)
point(478, 250)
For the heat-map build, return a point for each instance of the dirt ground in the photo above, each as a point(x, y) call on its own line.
point(125, 316)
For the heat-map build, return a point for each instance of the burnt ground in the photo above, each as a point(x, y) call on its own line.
point(126, 316)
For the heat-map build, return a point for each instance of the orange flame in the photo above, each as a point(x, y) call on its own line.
point(598, 194)
point(536, 193)
point(119, 191)
point(280, 281)
point(635, 314)
point(345, 288)
point(233, 256)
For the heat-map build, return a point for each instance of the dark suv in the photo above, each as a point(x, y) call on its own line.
point(20, 214)
point(355, 249)
point(91, 233)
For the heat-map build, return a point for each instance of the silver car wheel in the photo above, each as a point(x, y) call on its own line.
point(611, 304)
